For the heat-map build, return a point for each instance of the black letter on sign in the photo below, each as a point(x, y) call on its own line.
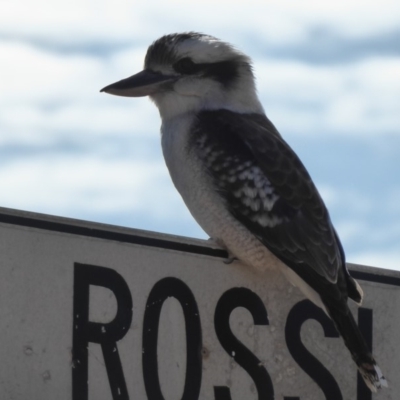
point(231, 299)
point(172, 287)
point(300, 313)
point(365, 325)
point(106, 335)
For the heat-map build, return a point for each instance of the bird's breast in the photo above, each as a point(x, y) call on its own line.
point(188, 172)
point(194, 184)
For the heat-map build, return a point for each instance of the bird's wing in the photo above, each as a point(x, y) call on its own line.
point(267, 188)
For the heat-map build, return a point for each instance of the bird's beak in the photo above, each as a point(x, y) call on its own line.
point(141, 84)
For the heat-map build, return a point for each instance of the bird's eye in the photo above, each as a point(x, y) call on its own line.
point(185, 66)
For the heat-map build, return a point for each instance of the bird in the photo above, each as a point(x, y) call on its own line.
point(241, 180)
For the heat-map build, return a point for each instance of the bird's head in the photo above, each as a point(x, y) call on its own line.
point(189, 72)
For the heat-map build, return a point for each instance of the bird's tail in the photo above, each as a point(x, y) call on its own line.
point(354, 341)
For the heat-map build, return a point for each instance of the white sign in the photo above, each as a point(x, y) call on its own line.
point(91, 311)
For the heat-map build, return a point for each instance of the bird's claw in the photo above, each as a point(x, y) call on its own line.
point(230, 260)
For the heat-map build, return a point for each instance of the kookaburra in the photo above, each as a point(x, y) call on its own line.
point(240, 180)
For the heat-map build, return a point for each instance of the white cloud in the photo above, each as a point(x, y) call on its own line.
point(77, 122)
point(350, 99)
point(280, 21)
point(44, 93)
point(59, 184)
point(29, 74)
point(33, 74)
point(354, 17)
point(71, 22)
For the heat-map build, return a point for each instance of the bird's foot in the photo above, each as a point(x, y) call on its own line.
point(231, 258)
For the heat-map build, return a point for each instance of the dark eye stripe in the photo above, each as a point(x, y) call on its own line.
point(186, 66)
point(224, 72)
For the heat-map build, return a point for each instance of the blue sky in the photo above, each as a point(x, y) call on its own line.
point(328, 76)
